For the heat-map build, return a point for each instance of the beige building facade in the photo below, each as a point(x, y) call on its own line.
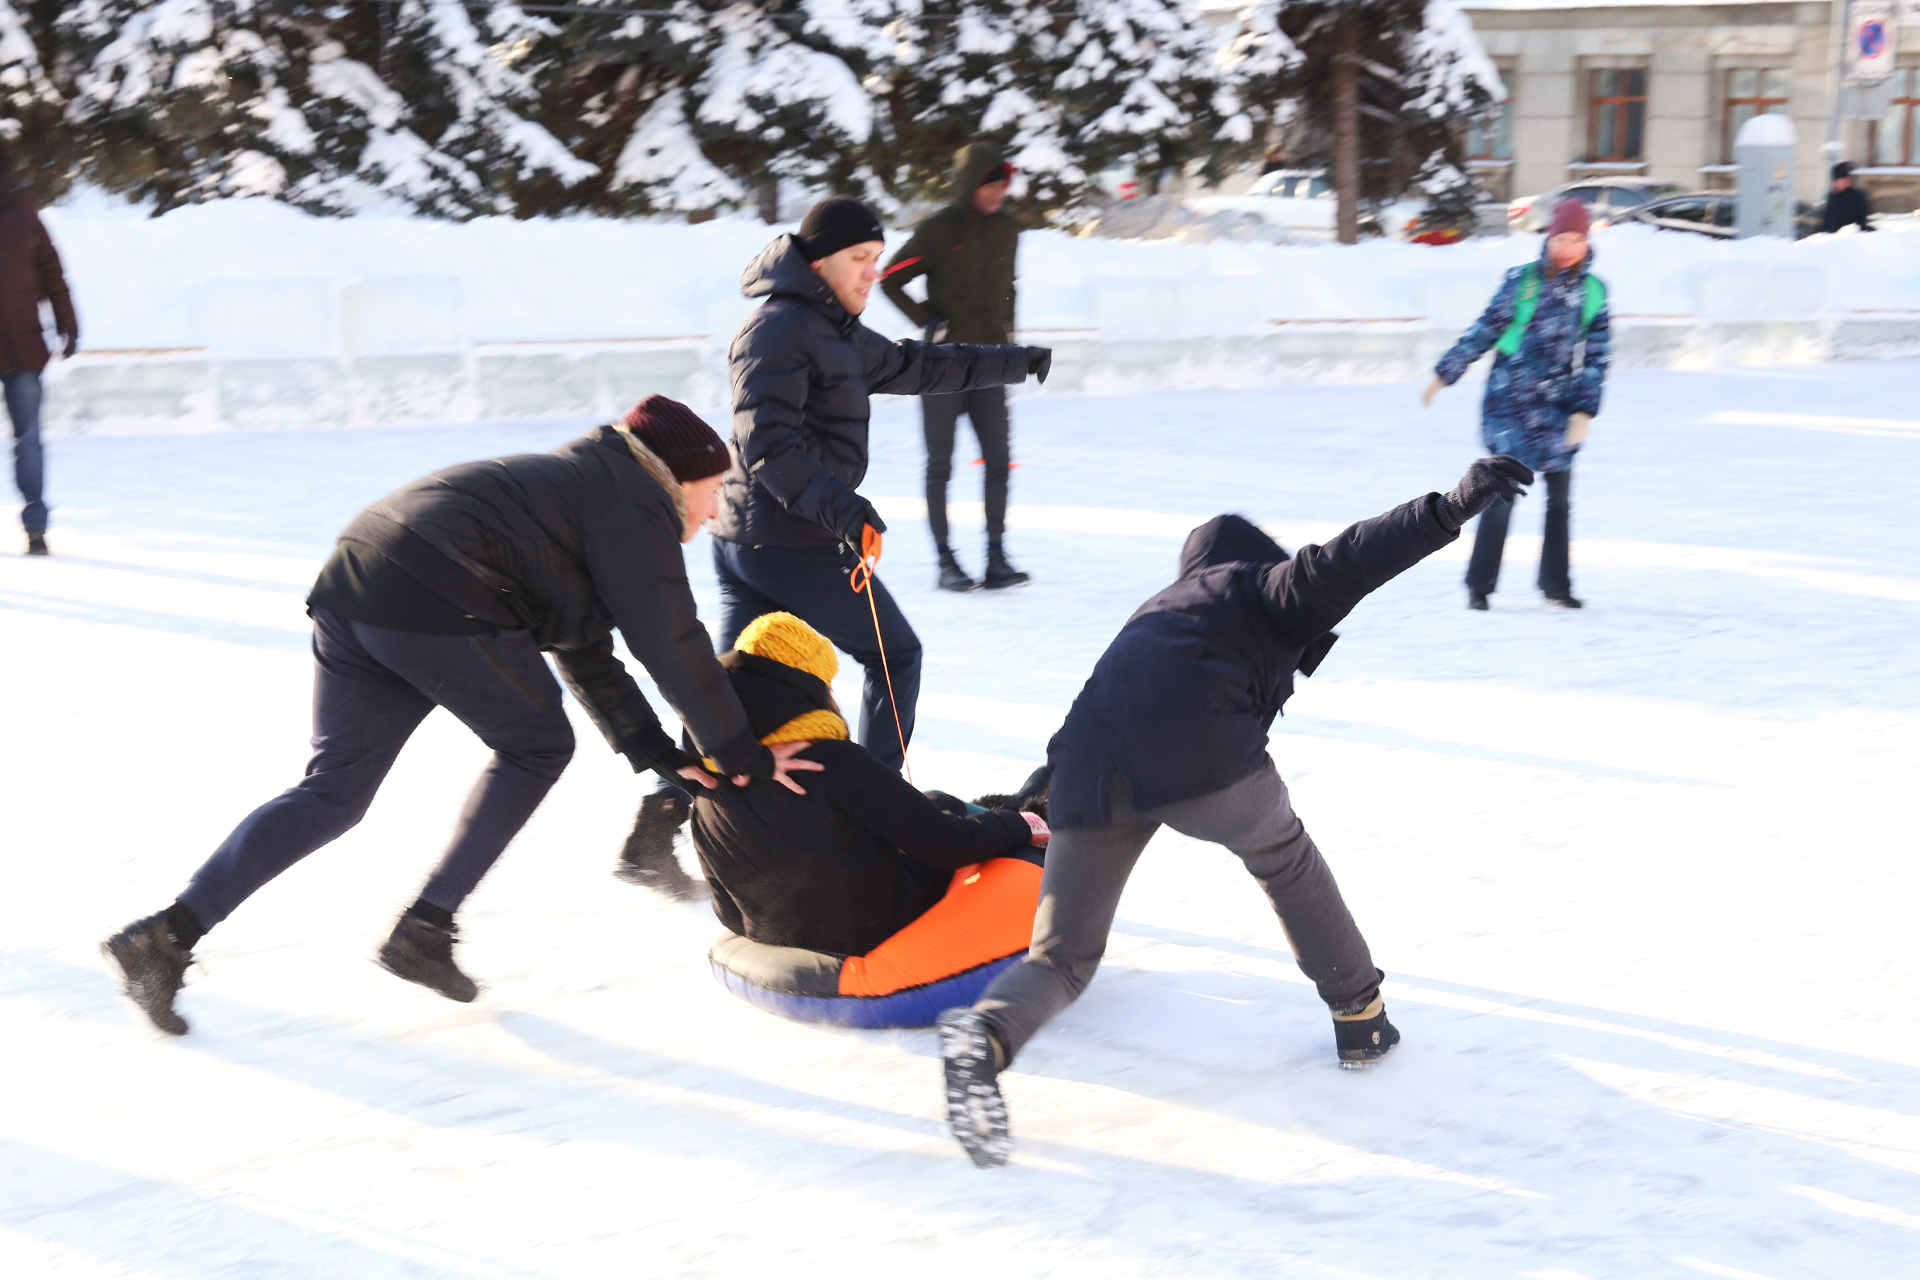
point(1599, 88)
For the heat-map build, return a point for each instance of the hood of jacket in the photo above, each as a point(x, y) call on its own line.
point(781, 270)
point(1225, 540)
point(970, 164)
point(772, 693)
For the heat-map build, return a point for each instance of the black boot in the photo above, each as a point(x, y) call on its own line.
point(952, 576)
point(976, 1111)
point(153, 968)
point(36, 544)
point(1477, 600)
point(1365, 1037)
point(1000, 574)
point(422, 951)
point(648, 860)
point(1565, 602)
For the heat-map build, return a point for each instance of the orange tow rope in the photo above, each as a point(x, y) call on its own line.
point(862, 581)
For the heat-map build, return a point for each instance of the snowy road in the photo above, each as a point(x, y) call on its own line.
point(1641, 877)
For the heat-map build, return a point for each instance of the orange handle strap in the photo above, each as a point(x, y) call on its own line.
point(861, 580)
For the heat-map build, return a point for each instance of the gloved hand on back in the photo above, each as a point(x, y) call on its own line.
point(1487, 479)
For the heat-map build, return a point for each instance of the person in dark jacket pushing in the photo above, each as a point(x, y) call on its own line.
point(862, 854)
point(966, 251)
point(1171, 729)
point(445, 593)
point(792, 526)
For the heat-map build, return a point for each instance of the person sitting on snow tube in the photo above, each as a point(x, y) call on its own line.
point(863, 902)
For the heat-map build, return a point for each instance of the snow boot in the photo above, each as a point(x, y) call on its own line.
point(976, 1112)
point(1477, 600)
point(422, 951)
point(1364, 1038)
point(952, 576)
point(36, 544)
point(153, 968)
point(1000, 574)
point(1565, 602)
point(648, 859)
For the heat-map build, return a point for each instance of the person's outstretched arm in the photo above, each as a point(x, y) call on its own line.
point(1484, 332)
point(908, 368)
point(602, 685)
point(879, 799)
point(1307, 596)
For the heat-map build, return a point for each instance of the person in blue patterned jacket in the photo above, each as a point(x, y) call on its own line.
point(1548, 328)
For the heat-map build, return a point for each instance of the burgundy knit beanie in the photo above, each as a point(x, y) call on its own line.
point(689, 447)
point(1569, 215)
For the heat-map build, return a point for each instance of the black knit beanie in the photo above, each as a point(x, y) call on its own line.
point(836, 223)
point(675, 433)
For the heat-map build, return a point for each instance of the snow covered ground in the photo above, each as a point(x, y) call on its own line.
point(1641, 877)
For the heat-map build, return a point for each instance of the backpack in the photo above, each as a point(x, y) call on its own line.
point(1528, 299)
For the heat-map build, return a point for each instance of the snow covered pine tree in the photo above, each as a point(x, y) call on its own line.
point(1376, 90)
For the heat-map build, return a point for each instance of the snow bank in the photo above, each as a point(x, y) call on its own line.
point(445, 317)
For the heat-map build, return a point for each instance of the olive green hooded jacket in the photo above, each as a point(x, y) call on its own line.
point(967, 259)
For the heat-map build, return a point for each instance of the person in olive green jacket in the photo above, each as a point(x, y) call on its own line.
point(966, 252)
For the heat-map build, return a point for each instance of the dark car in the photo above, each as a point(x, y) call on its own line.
point(1709, 214)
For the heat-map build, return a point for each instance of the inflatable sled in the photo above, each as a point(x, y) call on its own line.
point(944, 959)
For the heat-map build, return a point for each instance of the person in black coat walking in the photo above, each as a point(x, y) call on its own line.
point(1846, 204)
point(792, 526)
point(446, 593)
point(857, 858)
point(1171, 729)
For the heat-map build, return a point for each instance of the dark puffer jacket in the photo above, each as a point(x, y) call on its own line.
point(1554, 374)
point(845, 867)
point(569, 545)
point(803, 370)
point(968, 260)
point(29, 272)
point(1181, 702)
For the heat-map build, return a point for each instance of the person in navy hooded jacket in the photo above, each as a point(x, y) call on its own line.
point(1171, 729)
point(1548, 327)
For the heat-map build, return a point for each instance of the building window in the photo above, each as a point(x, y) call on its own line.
point(1752, 92)
point(1617, 114)
point(1491, 137)
point(1894, 140)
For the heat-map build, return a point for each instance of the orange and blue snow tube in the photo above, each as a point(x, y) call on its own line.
point(945, 958)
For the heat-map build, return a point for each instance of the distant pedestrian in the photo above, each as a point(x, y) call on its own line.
point(29, 275)
point(1846, 204)
point(1548, 326)
point(966, 252)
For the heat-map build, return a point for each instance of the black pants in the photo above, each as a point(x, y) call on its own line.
point(986, 409)
point(372, 688)
point(1483, 571)
point(812, 584)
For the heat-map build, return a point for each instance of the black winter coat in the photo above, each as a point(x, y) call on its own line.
point(802, 370)
point(569, 545)
point(29, 272)
point(1847, 208)
point(845, 867)
point(1181, 702)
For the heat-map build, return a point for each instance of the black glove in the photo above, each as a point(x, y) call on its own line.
point(937, 328)
point(1487, 479)
point(1039, 362)
point(73, 344)
point(859, 516)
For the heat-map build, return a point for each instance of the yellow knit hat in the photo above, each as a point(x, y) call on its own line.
point(787, 640)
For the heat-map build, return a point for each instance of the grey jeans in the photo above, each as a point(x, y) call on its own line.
point(1087, 867)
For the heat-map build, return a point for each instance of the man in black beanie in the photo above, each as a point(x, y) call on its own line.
point(803, 368)
point(446, 593)
point(1846, 204)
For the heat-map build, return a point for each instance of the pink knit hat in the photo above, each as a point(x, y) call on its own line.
point(1569, 215)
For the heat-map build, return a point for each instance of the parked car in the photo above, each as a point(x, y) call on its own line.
point(1302, 201)
point(1606, 200)
point(1711, 213)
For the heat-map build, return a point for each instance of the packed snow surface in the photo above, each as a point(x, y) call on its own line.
point(1641, 877)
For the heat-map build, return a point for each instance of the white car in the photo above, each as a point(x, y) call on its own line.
point(1302, 202)
point(1607, 200)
